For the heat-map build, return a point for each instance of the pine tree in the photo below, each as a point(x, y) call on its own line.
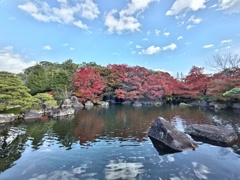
point(13, 93)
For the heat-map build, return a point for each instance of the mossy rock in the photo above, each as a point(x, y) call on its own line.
point(182, 104)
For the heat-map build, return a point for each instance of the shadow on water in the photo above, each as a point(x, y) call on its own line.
point(162, 148)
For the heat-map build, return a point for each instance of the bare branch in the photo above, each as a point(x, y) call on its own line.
point(223, 62)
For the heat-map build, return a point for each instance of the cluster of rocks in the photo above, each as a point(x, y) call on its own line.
point(139, 103)
point(67, 107)
point(215, 105)
point(166, 133)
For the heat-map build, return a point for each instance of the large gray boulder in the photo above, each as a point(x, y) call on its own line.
point(66, 103)
point(76, 103)
point(88, 103)
point(127, 102)
point(62, 112)
point(6, 118)
point(168, 134)
point(105, 104)
point(33, 114)
point(216, 134)
point(137, 104)
point(236, 105)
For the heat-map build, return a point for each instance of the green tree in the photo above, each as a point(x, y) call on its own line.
point(46, 99)
point(233, 93)
point(38, 79)
point(69, 66)
point(48, 76)
point(13, 93)
point(62, 83)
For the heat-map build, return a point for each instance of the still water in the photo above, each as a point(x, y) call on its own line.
point(112, 144)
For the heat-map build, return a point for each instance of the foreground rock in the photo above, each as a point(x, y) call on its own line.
point(6, 118)
point(217, 134)
point(166, 133)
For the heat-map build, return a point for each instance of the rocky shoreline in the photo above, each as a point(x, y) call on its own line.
point(69, 106)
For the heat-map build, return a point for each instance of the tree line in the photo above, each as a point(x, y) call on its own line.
point(90, 81)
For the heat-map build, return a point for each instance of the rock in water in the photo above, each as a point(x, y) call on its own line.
point(166, 133)
point(217, 134)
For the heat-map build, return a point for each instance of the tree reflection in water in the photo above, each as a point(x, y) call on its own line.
point(90, 123)
point(120, 148)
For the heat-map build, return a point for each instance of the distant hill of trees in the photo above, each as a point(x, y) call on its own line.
point(90, 81)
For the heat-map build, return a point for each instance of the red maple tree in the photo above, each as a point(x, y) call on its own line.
point(89, 84)
point(195, 84)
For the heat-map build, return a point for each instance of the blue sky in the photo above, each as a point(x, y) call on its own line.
point(171, 35)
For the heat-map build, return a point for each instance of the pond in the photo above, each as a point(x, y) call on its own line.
point(113, 144)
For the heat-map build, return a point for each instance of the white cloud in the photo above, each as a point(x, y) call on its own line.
point(145, 39)
point(229, 6)
point(138, 46)
point(150, 50)
point(65, 14)
point(190, 27)
point(166, 34)
point(121, 24)
point(71, 48)
point(65, 44)
point(89, 10)
point(126, 19)
point(157, 32)
point(148, 33)
point(12, 62)
point(226, 41)
point(186, 5)
point(179, 38)
point(136, 6)
point(6, 49)
point(194, 20)
point(228, 47)
point(80, 24)
point(170, 47)
point(208, 46)
point(47, 47)
point(214, 6)
point(130, 42)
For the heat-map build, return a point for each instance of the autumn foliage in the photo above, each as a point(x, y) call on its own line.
point(138, 83)
point(89, 84)
point(195, 84)
point(223, 82)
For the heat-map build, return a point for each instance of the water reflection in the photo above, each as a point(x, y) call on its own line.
point(123, 170)
point(112, 143)
point(196, 171)
point(89, 124)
